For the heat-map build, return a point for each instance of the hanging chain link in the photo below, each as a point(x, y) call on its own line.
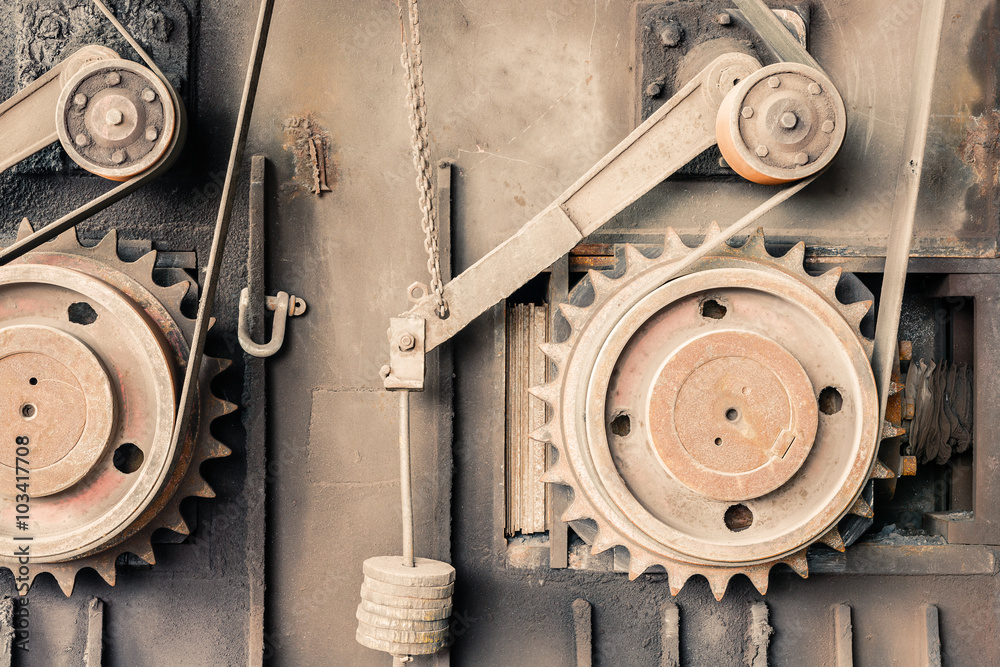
point(413, 70)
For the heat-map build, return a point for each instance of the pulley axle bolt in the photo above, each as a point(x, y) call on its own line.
point(828, 126)
point(762, 151)
point(815, 88)
point(789, 120)
point(80, 100)
point(113, 78)
point(114, 117)
point(801, 159)
point(81, 140)
point(654, 89)
point(148, 95)
point(723, 19)
point(747, 112)
point(774, 82)
point(151, 134)
point(407, 342)
point(118, 157)
point(671, 35)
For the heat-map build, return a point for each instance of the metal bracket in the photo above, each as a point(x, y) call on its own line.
point(284, 306)
point(407, 354)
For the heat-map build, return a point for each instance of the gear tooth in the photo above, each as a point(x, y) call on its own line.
point(713, 231)
point(795, 257)
point(855, 312)
point(797, 561)
point(602, 542)
point(171, 518)
point(66, 241)
point(577, 510)
point(144, 550)
point(673, 246)
point(196, 486)
point(557, 353)
point(217, 450)
point(881, 471)
point(24, 230)
point(542, 433)
point(107, 247)
point(557, 474)
point(634, 260)
point(105, 567)
point(862, 508)
point(174, 294)
point(145, 264)
point(575, 315)
point(758, 576)
point(868, 345)
point(638, 563)
point(833, 540)
point(718, 581)
point(66, 578)
point(827, 282)
point(755, 244)
point(548, 392)
point(602, 285)
point(677, 576)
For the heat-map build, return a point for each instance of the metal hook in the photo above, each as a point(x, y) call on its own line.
point(284, 306)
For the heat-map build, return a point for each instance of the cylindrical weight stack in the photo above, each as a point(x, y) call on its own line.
point(405, 610)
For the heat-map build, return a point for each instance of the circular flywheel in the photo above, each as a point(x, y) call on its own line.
point(716, 423)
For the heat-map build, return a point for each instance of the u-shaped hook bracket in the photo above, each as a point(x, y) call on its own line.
point(284, 306)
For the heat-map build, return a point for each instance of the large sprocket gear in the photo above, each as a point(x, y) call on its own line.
point(715, 423)
point(92, 353)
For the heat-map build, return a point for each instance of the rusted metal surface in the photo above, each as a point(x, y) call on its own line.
point(632, 495)
point(118, 480)
point(783, 123)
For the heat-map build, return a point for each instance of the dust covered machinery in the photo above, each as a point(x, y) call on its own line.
point(709, 310)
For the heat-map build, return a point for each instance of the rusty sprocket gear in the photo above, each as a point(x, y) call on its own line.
point(92, 350)
point(718, 423)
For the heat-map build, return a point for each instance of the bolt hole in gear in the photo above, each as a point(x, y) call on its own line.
point(753, 425)
point(91, 352)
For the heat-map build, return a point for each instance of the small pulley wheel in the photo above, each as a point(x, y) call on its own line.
point(783, 123)
point(116, 119)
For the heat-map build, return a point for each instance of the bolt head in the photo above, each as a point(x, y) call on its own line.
point(654, 89)
point(828, 126)
point(407, 342)
point(113, 78)
point(747, 112)
point(671, 35)
point(815, 88)
point(762, 151)
point(114, 117)
point(151, 134)
point(774, 82)
point(80, 100)
point(788, 120)
point(802, 159)
point(724, 19)
point(723, 164)
point(118, 157)
point(81, 140)
point(148, 95)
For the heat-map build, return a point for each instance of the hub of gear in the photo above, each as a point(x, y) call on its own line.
point(91, 353)
point(688, 416)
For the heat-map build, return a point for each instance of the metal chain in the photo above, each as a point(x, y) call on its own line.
point(413, 71)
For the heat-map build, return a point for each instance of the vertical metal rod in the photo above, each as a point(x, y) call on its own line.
point(404, 477)
point(904, 208)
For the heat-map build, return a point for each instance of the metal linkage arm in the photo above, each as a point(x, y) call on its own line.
point(28, 119)
point(674, 135)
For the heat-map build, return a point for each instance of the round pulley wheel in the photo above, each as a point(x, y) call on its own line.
point(116, 119)
point(783, 123)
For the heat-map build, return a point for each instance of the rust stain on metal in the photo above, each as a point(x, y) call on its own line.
point(980, 150)
point(309, 142)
